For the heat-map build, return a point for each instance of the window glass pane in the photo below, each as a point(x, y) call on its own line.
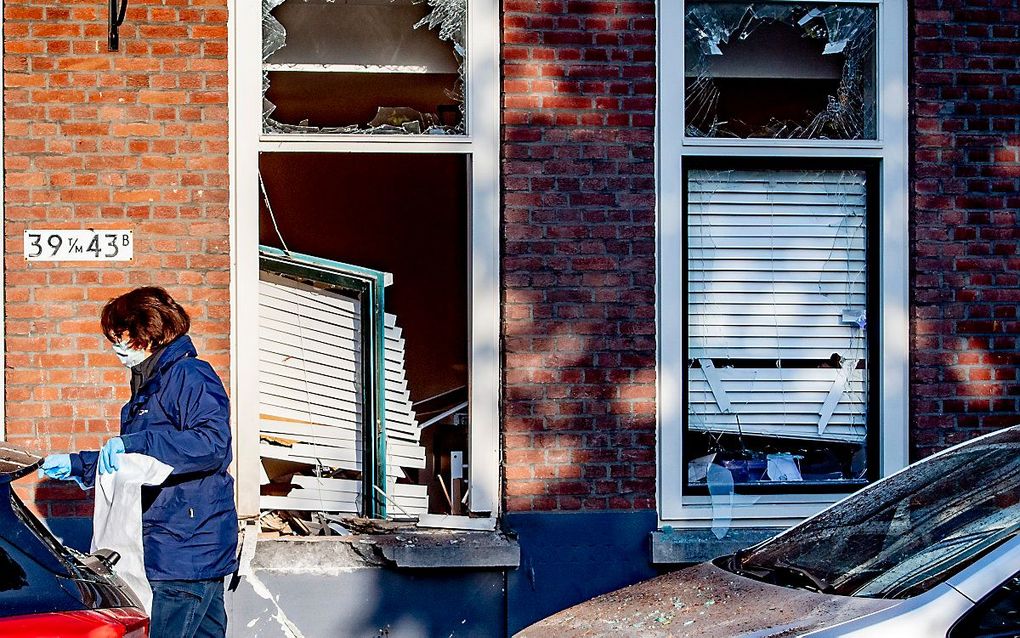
point(780, 70)
point(363, 66)
point(777, 345)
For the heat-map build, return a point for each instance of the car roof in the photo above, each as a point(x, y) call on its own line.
point(16, 462)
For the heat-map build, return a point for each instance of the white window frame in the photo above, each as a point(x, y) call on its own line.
point(3, 266)
point(480, 146)
point(891, 150)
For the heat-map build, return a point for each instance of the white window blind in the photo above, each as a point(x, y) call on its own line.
point(777, 285)
point(310, 398)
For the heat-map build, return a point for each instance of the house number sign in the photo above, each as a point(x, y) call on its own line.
point(79, 245)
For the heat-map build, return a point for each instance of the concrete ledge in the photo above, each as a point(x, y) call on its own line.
point(478, 550)
point(676, 546)
point(319, 555)
point(331, 555)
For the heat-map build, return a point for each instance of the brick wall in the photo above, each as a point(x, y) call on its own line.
point(96, 139)
point(579, 254)
point(965, 224)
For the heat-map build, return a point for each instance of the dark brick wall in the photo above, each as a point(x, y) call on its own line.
point(579, 254)
point(965, 228)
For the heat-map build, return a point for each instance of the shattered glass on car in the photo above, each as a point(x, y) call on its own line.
point(363, 67)
point(780, 70)
point(906, 534)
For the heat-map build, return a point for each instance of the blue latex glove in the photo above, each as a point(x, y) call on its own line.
point(109, 461)
point(56, 466)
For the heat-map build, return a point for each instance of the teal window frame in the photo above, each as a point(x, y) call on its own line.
point(368, 287)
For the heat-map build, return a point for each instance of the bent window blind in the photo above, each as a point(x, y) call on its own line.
point(777, 303)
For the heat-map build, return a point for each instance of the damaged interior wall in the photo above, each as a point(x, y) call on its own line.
point(363, 66)
point(780, 70)
point(404, 215)
point(777, 344)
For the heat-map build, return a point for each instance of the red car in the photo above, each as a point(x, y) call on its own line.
point(48, 590)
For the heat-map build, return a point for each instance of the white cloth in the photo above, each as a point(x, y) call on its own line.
point(117, 520)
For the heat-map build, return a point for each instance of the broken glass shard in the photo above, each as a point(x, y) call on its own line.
point(338, 68)
point(780, 70)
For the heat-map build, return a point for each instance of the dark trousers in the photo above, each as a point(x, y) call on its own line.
point(188, 609)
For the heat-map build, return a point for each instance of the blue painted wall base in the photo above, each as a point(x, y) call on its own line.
point(369, 603)
point(569, 557)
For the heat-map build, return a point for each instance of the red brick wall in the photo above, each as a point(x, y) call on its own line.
point(579, 254)
point(132, 139)
point(965, 225)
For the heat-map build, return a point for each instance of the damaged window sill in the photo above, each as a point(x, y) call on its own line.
point(416, 549)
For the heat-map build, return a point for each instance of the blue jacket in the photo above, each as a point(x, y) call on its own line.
point(181, 416)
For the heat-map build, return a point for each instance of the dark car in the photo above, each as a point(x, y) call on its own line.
point(47, 589)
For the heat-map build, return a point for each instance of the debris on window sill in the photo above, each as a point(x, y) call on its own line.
point(372, 543)
point(284, 523)
point(389, 120)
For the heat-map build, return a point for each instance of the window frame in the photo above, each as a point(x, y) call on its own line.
point(964, 625)
point(890, 152)
point(480, 146)
point(871, 169)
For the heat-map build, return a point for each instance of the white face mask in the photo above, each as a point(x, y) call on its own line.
point(128, 356)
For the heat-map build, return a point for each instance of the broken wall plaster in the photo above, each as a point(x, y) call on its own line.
point(322, 555)
point(288, 628)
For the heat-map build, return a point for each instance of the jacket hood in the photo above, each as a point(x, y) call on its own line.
point(704, 602)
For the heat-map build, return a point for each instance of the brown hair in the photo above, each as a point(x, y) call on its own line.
point(149, 316)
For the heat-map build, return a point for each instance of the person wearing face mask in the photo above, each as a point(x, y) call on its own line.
point(178, 414)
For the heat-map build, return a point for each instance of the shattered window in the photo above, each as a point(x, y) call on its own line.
point(363, 66)
point(780, 70)
point(777, 344)
point(337, 366)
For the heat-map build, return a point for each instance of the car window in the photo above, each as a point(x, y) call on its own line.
point(905, 534)
point(27, 586)
point(12, 575)
point(26, 532)
point(996, 616)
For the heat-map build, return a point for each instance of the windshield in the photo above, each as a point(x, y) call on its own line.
point(906, 534)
